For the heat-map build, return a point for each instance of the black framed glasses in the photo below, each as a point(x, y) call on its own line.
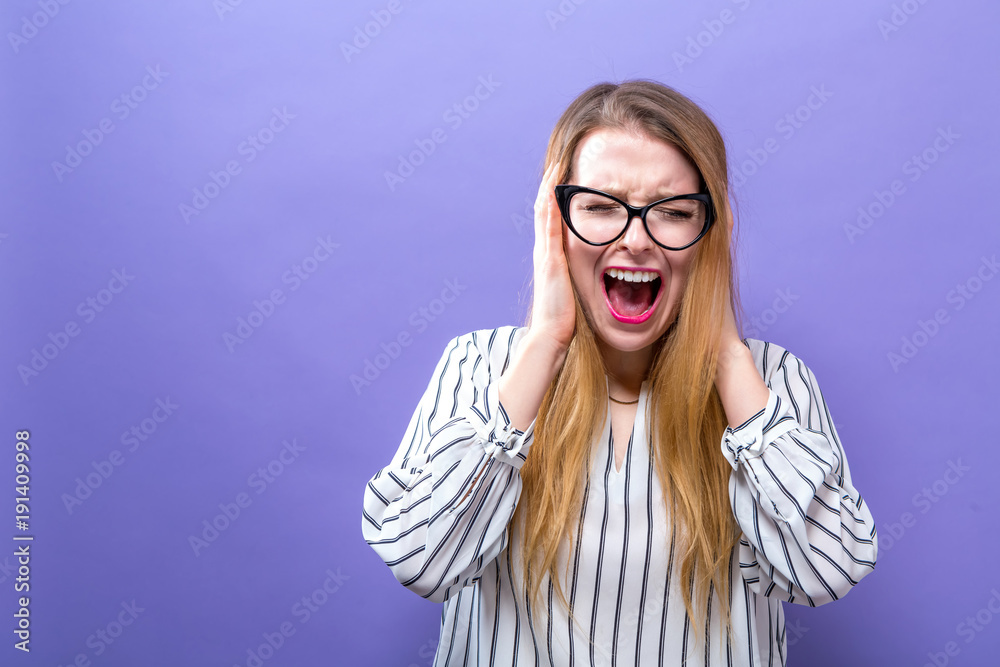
point(597, 218)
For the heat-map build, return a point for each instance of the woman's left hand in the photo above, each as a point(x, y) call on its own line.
point(737, 380)
point(729, 335)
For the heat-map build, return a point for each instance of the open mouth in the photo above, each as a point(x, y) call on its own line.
point(631, 295)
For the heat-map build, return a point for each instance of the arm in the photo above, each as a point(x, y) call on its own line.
point(438, 513)
point(808, 536)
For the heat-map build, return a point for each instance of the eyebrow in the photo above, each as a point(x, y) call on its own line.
point(617, 192)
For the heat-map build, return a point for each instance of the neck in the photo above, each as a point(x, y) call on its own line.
point(626, 370)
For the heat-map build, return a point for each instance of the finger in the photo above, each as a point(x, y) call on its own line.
point(555, 215)
point(555, 226)
point(540, 203)
point(547, 216)
point(546, 185)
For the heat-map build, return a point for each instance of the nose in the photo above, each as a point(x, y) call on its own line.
point(635, 239)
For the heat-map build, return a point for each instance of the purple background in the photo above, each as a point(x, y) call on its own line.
point(855, 296)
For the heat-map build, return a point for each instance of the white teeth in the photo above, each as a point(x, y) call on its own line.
point(632, 276)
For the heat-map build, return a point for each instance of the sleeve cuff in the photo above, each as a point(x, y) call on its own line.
point(749, 439)
point(503, 441)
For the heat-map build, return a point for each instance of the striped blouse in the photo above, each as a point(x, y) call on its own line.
point(438, 516)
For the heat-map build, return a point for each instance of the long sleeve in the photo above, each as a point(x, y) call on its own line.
point(808, 535)
point(438, 513)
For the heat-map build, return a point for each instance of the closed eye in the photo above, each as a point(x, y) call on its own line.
point(667, 213)
point(607, 208)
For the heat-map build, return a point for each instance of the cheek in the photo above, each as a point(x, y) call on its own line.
point(680, 263)
point(582, 261)
point(680, 268)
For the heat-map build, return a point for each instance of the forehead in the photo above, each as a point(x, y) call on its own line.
point(632, 165)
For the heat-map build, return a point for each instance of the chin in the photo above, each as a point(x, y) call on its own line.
point(629, 342)
point(627, 337)
point(619, 333)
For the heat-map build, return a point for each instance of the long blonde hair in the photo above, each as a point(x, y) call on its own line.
point(687, 416)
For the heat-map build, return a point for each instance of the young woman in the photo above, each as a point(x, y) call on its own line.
point(624, 480)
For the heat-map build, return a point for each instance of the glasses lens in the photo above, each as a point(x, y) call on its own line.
point(596, 217)
point(599, 219)
point(677, 223)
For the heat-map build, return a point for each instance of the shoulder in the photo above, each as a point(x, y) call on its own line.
point(772, 359)
point(496, 347)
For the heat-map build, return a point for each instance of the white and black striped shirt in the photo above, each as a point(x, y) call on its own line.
point(808, 536)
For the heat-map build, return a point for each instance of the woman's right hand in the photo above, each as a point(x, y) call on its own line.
point(542, 351)
point(553, 310)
